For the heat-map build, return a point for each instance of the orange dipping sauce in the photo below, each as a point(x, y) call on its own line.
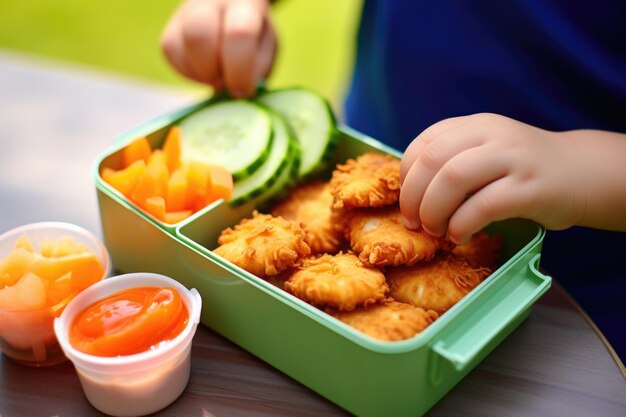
point(130, 321)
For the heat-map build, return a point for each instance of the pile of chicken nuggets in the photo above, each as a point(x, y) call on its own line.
point(341, 246)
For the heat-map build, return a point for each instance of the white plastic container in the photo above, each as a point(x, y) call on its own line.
point(28, 337)
point(138, 384)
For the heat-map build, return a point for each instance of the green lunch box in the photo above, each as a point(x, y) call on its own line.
point(363, 375)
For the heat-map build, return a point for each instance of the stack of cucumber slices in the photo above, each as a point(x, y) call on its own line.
point(268, 143)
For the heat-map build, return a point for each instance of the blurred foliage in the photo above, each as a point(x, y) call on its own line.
point(316, 38)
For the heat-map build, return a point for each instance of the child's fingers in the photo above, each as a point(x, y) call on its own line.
point(267, 51)
point(201, 36)
point(463, 174)
point(428, 136)
point(502, 199)
point(426, 165)
point(174, 48)
point(243, 23)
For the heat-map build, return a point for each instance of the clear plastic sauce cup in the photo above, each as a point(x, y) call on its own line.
point(141, 383)
point(28, 337)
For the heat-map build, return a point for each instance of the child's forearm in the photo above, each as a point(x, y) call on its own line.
point(599, 165)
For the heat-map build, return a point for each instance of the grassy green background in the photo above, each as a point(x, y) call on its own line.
point(316, 38)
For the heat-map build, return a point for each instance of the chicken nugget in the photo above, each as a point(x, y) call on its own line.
point(264, 245)
point(371, 180)
point(340, 281)
point(390, 320)
point(481, 250)
point(435, 285)
point(310, 204)
point(381, 239)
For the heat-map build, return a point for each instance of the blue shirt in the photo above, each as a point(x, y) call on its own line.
point(557, 65)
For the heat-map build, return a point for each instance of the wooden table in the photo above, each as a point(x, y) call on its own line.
point(55, 120)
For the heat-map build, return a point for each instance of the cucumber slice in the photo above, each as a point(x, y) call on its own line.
point(312, 120)
point(267, 174)
point(286, 180)
point(236, 134)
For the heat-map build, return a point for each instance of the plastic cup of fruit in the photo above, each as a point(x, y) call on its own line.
point(28, 336)
point(140, 383)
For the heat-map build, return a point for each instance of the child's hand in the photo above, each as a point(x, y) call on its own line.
point(225, 43)
point(463, 173)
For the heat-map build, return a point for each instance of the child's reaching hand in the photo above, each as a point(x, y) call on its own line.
point(463, 173)
point(224, 43)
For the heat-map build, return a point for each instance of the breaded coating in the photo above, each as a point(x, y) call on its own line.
point(380, 238)
point(390, 320)
point(340, 281)
point(264, 245)
point(481, 250)
point(371, 180)
point(435, 285)
point(310, 204)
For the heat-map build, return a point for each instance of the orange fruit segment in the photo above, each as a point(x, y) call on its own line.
point(221, 182)
point(24, 243)
point(177, 191)
point(57, 309)
point(156, 207)
point(171, 148)
point(137, 150)
point(63, 246)
point(66, 245)
point(150, 176)
point(14, 266)
point(85, 268)
point(146, 188)
point(198, 183)
point(60, 293)
point(59, 289)
point(29, 293)
point(50, 277)
point(46, 247)
point(157, 165)
point(125, 180)
point(172, 217)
